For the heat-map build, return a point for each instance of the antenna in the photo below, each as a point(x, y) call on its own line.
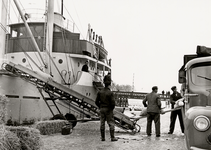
point(133, 83)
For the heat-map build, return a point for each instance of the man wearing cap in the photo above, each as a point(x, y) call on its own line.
point(153, 104)
point(106, 103)
point(173, 98)
point(85, 67)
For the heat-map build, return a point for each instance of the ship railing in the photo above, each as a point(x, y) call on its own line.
point(95, 76)
point(77, 76)
point(38, 15)
point(33, 14)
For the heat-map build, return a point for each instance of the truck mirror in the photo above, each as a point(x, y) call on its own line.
point(182, 78)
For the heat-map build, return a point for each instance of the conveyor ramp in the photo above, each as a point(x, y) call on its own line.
point(61, 92)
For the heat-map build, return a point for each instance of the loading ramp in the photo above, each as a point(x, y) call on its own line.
point(58, 91)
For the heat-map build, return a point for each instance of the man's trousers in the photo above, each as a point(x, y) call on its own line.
point(173, 120)
point(106, 115)
point(150, 117)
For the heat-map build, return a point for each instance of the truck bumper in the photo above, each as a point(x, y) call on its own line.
point(196, 148)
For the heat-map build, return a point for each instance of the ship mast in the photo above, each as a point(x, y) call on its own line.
point(62, 5)
point(3, 19)
point(49, 34)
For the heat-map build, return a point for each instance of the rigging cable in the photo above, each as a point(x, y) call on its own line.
point(49, 55)
point(3, 27)
point(64, 42)
point(26, 55)
point(29, 56)
point(55, 66)
point(78, 30)
point(20, 3)
point(58, 3)
point(17, 42)
point(73, 21)
point(5, 6)
point(79, 20)
point(14, 12)
point(29, 31)
point(6, 28)
point(53, 63)
point(31, 43)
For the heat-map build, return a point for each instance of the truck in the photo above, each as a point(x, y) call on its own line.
point(195, 79)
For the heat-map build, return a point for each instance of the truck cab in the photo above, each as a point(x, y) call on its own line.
point(195, 77)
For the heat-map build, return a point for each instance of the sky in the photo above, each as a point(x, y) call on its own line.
point(146, 39)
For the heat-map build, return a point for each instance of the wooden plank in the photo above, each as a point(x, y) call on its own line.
point(122, 117)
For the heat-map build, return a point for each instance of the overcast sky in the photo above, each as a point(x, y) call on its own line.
point(147, 38)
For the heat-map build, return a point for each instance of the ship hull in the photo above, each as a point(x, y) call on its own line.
point(26, 105)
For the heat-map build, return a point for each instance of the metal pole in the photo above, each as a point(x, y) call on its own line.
point(30, 33)
point(49, 35)
point(3, 30)
point(62, 5)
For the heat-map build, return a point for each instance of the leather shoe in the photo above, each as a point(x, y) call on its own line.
point(169, 132)
point(114, 139)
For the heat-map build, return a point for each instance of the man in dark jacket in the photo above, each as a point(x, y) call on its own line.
point(173, 98)
point(153, 111)
point(85, 67)
point(106, 103)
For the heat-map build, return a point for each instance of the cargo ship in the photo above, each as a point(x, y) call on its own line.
point(45, 43)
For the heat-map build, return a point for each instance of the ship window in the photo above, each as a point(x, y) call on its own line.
point(37, 30)
point(60, 61)
point(20, 30)
point(20, 40)
point(24, 60)
point(14, 33)
point(57, 28)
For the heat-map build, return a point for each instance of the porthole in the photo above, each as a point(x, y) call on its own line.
point(60, 61)
point(24, 60)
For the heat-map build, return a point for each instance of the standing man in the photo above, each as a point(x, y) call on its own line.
point(153, 111)
point(85, 67)
point(106, 103)
point(173, 98)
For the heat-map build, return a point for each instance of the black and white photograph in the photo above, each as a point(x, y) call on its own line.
point(105, 75)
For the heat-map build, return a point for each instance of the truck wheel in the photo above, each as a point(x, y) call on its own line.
point(58, 116)
point(72, 119)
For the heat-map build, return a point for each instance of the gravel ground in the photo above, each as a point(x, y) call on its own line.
point(86, 136)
